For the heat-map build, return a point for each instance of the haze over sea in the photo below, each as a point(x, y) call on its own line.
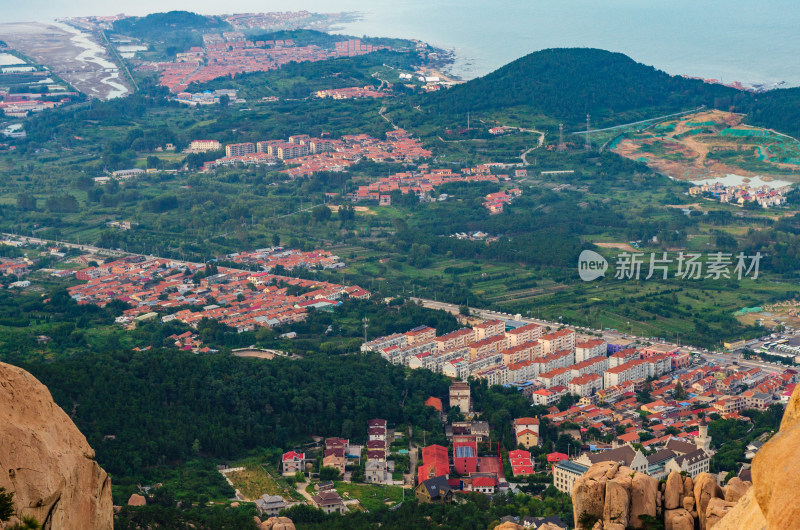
point(729, 40)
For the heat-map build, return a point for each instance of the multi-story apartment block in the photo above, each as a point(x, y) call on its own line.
point(557, 377)
point(455, 339)
point(488, 328)
point(240, 149)
point(629, 371)
point(558, 340)
point(586, 385)
point(487, 346)
point(521, 352)
point(593, 365)
point(622, 357)
point(523, 334)
point(589, 349)
point(421, 334)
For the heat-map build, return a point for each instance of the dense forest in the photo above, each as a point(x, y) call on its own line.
point(567, 84)
point(167, 406)
point(778, 109)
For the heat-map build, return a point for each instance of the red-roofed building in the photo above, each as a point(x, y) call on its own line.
point(435, 463)
point(293, 462)
point(465, 454)
point(434, 402)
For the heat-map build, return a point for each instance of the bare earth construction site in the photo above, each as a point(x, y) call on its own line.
point(72, 55)
point(711, 144)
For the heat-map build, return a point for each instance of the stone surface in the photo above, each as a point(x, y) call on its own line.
point(509, 526)
point(679, 519)
point(688, 503)
point(746, 514)
point(644, 492)
point(46, 462)
point(617, 501)
point(716, 510)
point(137, 500)
point(735, 489)
point(277, 523)
point(705, 489)
point(688, 486)
point(589, 492)
point(775, 477)
point(673, 491)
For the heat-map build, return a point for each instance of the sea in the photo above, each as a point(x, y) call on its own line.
point(728, 40)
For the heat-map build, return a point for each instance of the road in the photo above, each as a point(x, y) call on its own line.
point(642, 121)
point(409, 477)
point(87, 248)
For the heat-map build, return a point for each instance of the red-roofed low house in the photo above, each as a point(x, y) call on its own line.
point(481, 484)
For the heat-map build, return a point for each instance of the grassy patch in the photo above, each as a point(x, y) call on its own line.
point(371, 496)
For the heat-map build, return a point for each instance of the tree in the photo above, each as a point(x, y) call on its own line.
point(679, 392)
point(26, 202)
point(6, 505)
point(328, 473)
point(321, 213)
point(224, 100)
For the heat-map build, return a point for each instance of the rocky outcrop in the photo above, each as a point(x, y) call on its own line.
point(46, 462)
point(614, 496)
point(610, 497)
point(746, 514)
point(735, 489)
point(137, 500)
point(277, 523)
point(705, 489)
point(716, 510)
point(673, 494)
point(678, 519)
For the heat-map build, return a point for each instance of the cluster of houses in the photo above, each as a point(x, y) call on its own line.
point(304, 155)
point(495, 202)
point(229, 54)
point(269, 258)
point(421, 183)
point(472, 462)
point(241, 299)
point(18, 267)
point(207, 97)
point(354, 92)
point(23, 104)
point(765, 196)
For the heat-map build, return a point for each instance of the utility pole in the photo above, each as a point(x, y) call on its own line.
point(588, 145)
point(561, 146)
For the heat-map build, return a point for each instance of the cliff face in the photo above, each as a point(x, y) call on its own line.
point(772, 501)
point(46, 462)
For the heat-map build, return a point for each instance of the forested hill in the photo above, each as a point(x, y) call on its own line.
point(568, 83)
point(778, 109)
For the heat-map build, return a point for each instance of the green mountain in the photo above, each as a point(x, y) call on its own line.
point(778, 109)
point(568, 83)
